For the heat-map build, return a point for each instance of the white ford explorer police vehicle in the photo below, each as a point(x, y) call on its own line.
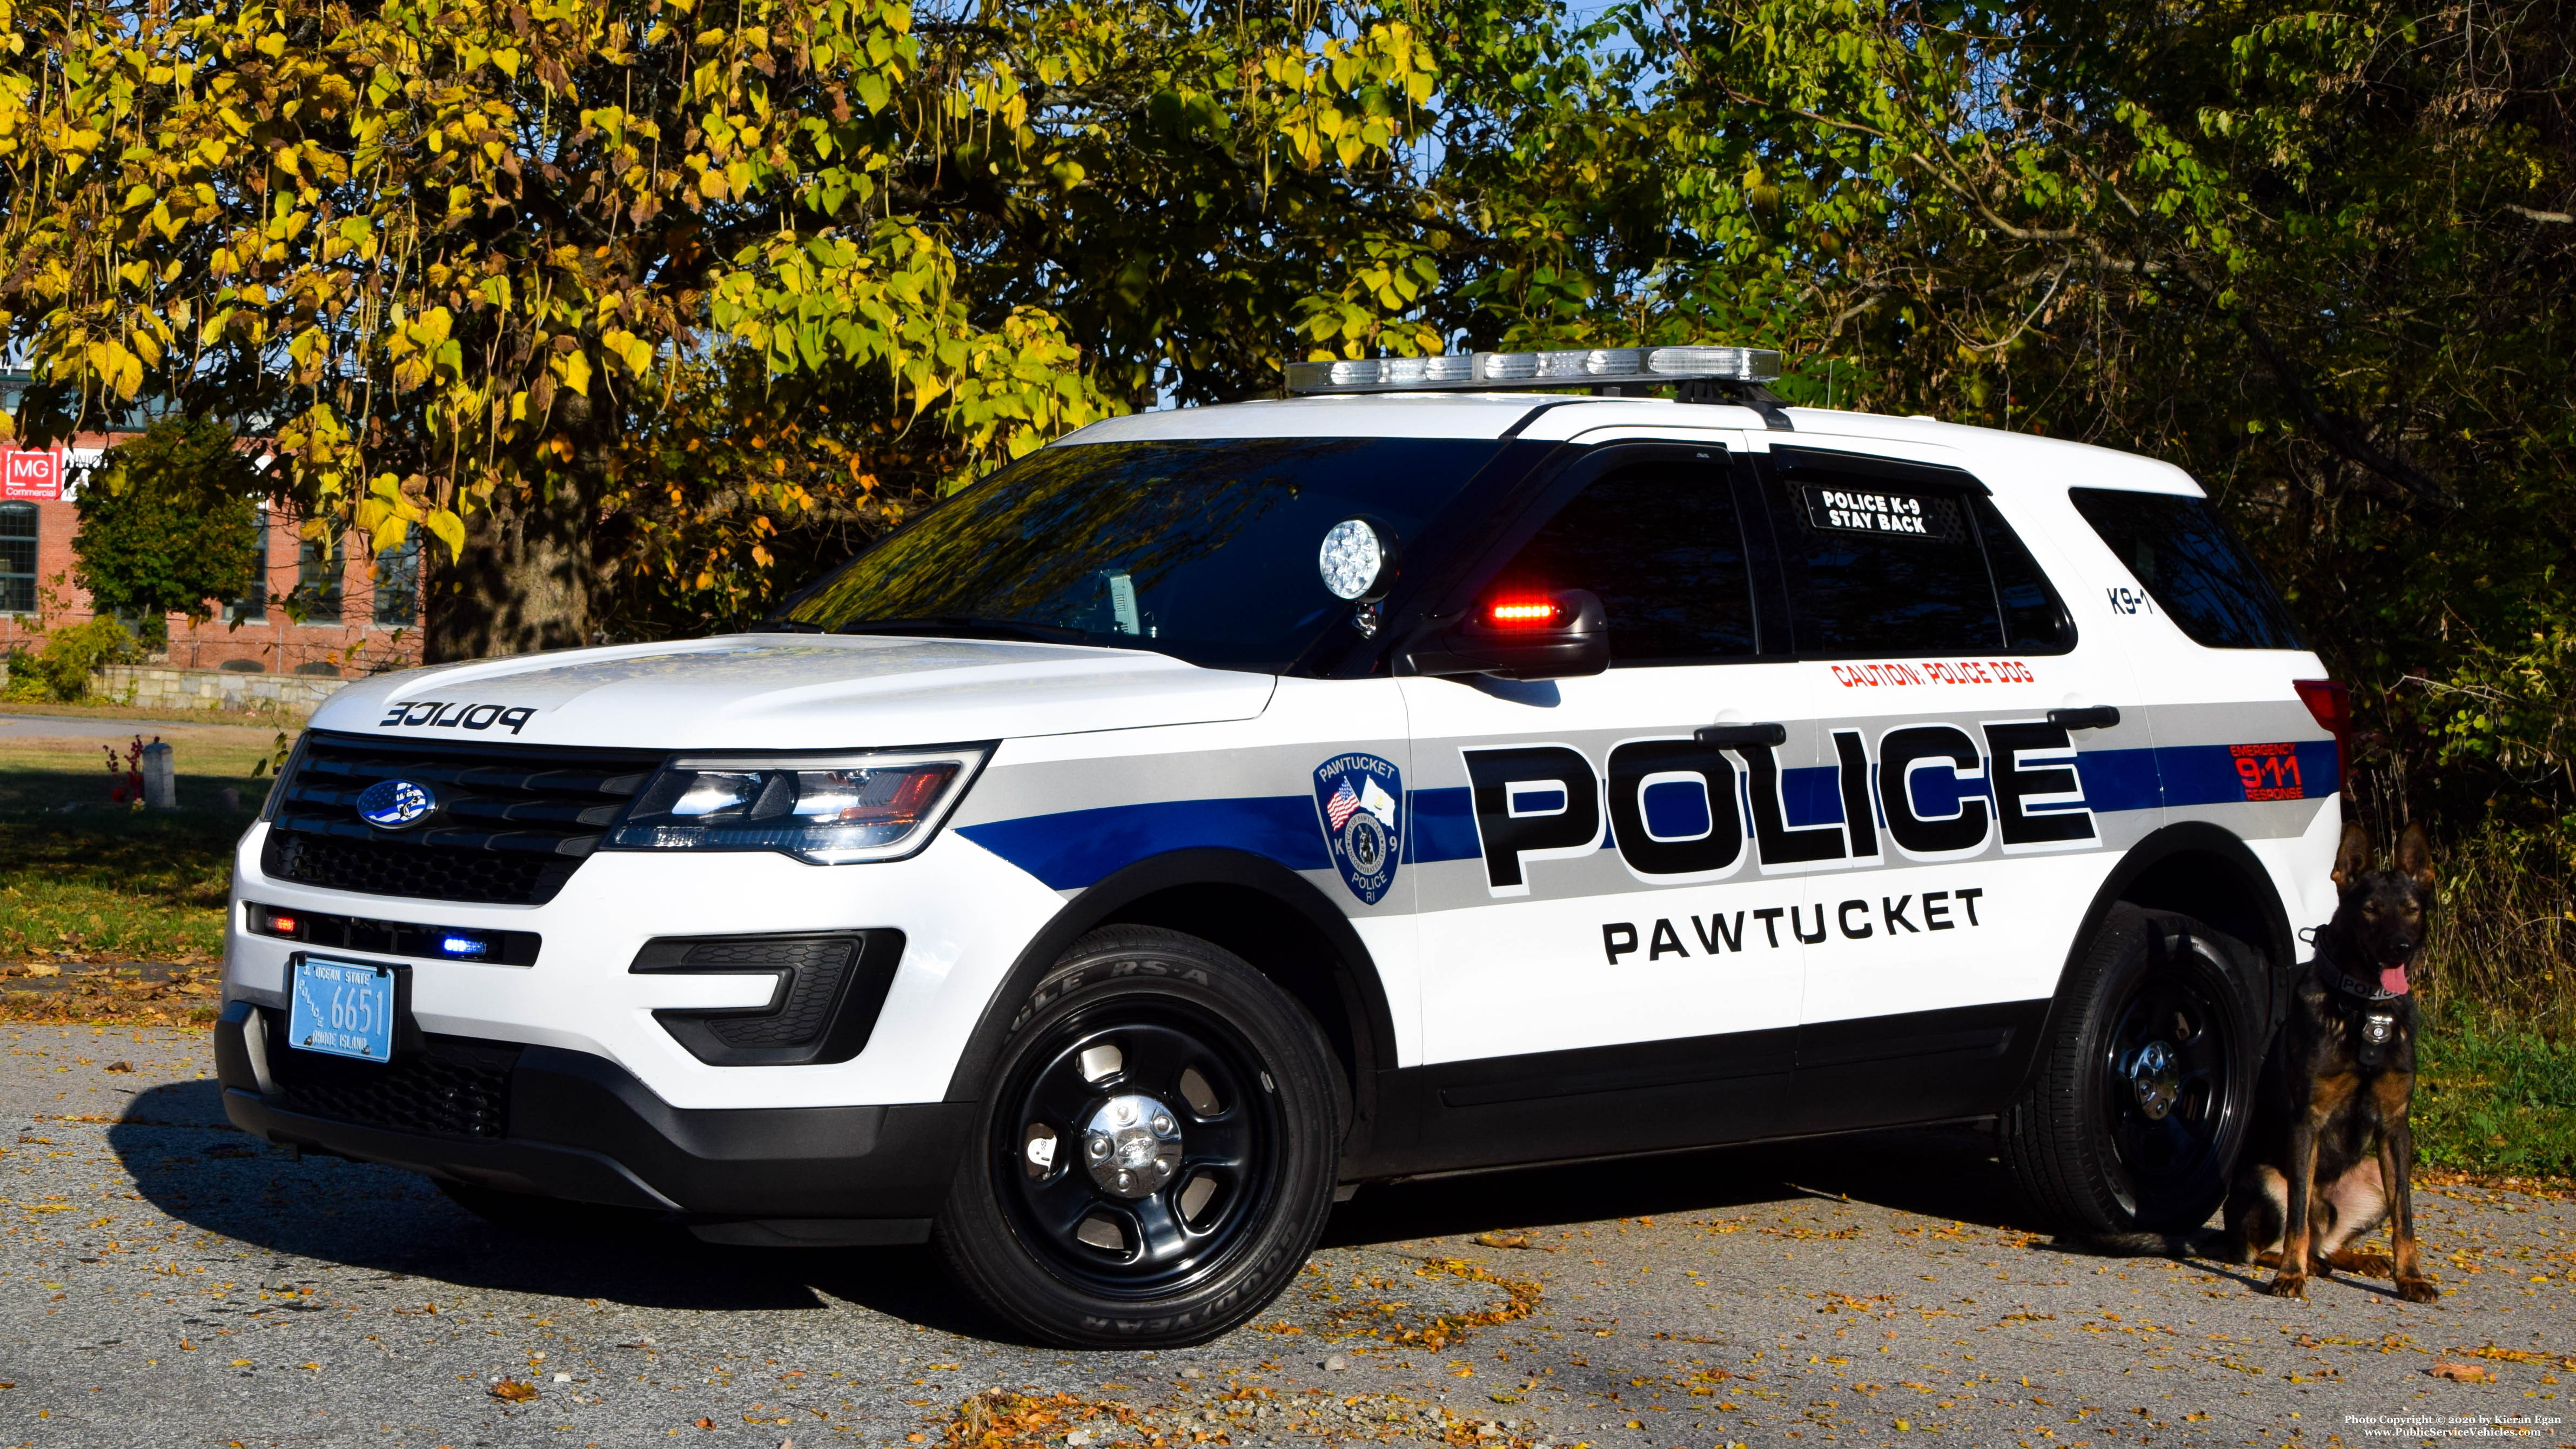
point(1222, 808)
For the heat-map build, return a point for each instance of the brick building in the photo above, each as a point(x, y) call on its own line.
point(313, 609)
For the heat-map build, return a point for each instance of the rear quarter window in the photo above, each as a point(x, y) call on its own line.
point(2192, 566)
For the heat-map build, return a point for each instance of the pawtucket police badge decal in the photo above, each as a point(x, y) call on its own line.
point(1361, 800)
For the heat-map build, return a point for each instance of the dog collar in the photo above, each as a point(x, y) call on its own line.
point(2333, 976)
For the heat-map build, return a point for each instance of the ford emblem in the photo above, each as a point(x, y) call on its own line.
point(396, 804)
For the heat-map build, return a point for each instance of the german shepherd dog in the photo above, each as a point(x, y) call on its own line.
point(2329, 1151)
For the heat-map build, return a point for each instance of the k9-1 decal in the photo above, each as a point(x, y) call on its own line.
point(439, 714)
point(1680, 812)
point(1861, 918)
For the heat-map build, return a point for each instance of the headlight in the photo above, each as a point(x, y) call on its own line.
point(829, 810)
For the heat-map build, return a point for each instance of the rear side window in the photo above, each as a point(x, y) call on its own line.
point(2192, 566)
point(1660, 544)
point(1882, 563)
point(2035, 622)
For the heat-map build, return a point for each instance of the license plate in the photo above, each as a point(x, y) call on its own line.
point(343, 1008)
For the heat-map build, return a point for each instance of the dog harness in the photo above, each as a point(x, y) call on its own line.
point(2373, 1030)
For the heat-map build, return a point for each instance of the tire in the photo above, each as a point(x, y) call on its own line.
point(2144, 1089)
point(1155, 1155)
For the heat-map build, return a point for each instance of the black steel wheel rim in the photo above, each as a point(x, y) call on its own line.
point(1188, 1206)
point(2170, 1094)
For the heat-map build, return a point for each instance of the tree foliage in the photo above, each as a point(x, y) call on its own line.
point(462, 252)
point(168, 526)
point(654, 310)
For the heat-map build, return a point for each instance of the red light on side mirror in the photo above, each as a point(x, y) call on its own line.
point(1521, 613)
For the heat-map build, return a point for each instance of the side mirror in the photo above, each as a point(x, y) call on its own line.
point(1549, 636)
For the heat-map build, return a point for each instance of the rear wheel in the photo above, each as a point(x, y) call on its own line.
point(2144, 1090)
point(1155, 1156)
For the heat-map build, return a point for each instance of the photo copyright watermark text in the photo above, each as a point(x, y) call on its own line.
point(2453, 1426)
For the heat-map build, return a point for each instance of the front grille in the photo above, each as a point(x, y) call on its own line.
point(512, 824)
point(830, 989)
point(451, 1086)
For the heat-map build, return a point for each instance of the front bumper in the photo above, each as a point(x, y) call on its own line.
point(580, 1127)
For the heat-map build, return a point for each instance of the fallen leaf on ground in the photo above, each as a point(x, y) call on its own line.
point(2465, 1373)
point(515, 1391)
point(120, 1066)
point(1503, 1240)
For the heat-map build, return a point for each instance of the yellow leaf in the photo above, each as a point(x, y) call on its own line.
point(389, 534)
point(449, 528)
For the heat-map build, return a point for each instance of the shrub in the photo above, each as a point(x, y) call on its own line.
point(62, 670)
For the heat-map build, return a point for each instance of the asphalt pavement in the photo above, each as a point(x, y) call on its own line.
point(165, 1280)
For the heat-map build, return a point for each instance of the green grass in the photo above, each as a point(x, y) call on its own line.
point(104, 883)
point(2495, 1101)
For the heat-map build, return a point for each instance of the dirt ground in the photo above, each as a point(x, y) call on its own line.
point(166, 1281)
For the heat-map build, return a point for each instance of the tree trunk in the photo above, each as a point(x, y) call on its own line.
point(527, 581)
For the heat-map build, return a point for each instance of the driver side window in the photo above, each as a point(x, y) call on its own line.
point(1661, 544)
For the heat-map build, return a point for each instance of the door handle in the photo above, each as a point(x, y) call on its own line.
point(1737, 736)
point(2097, 717)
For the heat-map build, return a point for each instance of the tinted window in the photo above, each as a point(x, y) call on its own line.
point(1660, 544)
point(1202, 549)
point(2191, 566)
point(1882, 564)
point(2034, 620)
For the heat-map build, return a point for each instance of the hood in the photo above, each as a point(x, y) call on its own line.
point(793, 692)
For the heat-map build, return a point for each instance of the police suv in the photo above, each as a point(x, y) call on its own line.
point(1222, 808)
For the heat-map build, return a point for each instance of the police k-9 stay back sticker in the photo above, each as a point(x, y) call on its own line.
point(1359, 800)
point(1886, 512)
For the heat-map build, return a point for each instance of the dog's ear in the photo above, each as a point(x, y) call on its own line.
point(2415, 855)
point(2352, 859)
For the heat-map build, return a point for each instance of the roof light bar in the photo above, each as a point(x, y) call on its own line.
point(1512, 371)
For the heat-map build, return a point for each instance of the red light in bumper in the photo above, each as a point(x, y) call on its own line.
point(1521, 613)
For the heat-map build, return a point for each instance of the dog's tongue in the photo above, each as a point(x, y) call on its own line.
point(2392, 979)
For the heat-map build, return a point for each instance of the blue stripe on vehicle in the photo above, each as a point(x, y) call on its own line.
point(1444, 825)
point(1812, 795)
point(1071, 850)
point(2117, 779)
point(2322, 764)
point(2207, 775)
point(1075, 848)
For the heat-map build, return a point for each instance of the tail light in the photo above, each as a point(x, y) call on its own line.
point(1518, 612)
point(2331, 703)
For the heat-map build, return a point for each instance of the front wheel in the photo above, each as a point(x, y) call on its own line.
point(1155, 1155)
point(2141, 1098)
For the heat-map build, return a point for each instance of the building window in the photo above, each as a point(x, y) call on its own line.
point(252, 606)
point(318, 566)
point(17, 558)
point(398, 582)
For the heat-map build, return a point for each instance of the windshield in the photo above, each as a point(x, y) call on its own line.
point(1206, 550)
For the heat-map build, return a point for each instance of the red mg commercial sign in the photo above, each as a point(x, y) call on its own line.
point(31, 476)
